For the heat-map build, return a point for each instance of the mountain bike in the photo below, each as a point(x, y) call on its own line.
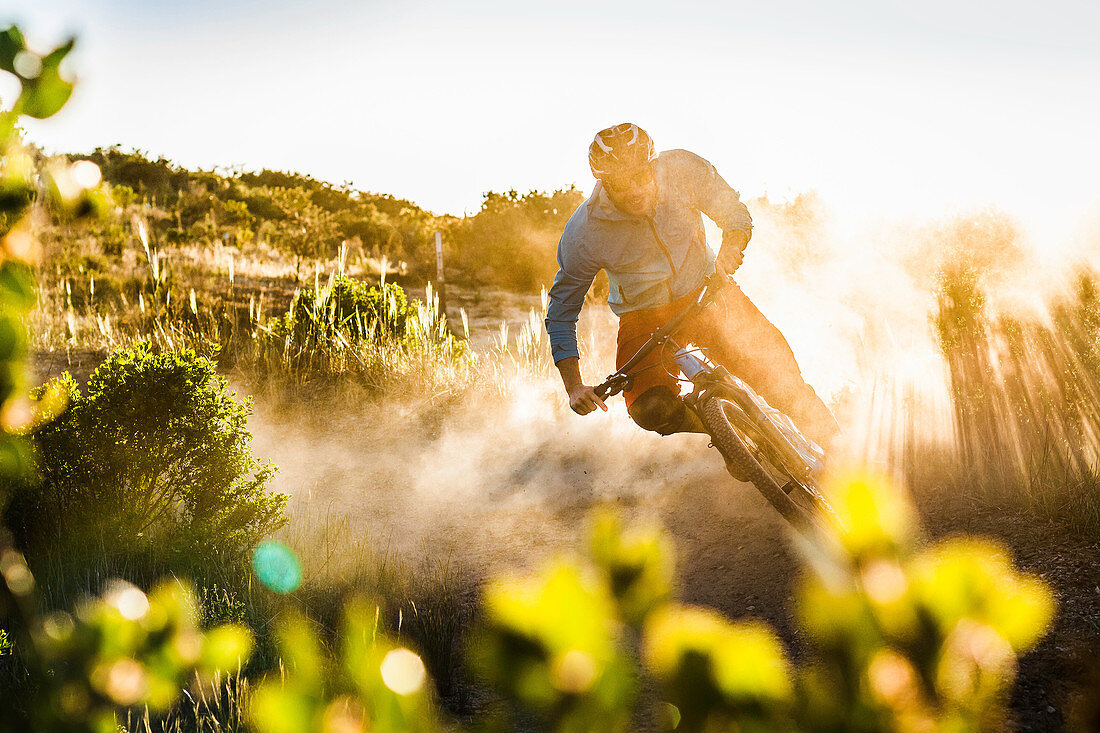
point(759, 443)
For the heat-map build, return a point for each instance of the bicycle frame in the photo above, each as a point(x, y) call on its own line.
point(769, 429)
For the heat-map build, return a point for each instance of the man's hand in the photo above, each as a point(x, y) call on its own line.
point(732, 253)
point(582, 398)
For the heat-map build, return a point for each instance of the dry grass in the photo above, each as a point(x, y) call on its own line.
point(1025, 395)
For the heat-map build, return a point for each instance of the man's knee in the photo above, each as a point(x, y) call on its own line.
point(658, 409)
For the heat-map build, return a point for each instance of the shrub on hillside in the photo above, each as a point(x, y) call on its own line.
point(512, 241)
point(154, 454)
point(348, 326)
point(347, 309)
point(364, 309)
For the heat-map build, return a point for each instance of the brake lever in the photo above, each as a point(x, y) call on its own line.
point(613, 386)
point(718, 280)
point(712, 285)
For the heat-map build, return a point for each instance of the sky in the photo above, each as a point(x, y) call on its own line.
point(884, 108)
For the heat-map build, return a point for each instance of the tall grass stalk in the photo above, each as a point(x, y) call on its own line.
point(216, 705)
point(1026, 397)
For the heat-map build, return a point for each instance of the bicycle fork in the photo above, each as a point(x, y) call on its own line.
point(802, 458)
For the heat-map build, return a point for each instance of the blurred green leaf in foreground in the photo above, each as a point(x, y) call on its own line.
point(374, 684)
point(128, 649)
point(900, 639)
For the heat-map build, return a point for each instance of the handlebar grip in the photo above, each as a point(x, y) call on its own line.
point(602, 390)
point(719, 279)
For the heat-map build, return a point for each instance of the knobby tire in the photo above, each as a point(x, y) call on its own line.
point(732, 447)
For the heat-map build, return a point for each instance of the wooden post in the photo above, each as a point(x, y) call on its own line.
point(440, 281)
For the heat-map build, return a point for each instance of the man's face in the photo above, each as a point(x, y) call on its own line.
point(634, 192)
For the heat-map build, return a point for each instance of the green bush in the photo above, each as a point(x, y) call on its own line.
point(367, 311)
point(376, 333)
point(153, 455)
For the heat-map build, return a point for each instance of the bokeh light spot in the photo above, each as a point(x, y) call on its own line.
point(344, 715)
point(16, 573)
point(27, 64)
point(124, 681)
point(892, 678)
point(884, 581)
point(188, 645)
point(86, 173)
point(403, 672)
point(130, 602)
point(58, 626)
point(277, 567)
point(574, 672)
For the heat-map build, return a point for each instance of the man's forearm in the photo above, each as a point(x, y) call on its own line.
point(570, 370)
point(739, 238)
point(731, 254)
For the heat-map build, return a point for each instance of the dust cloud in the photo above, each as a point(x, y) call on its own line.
point(496, 482)
point(857, 301)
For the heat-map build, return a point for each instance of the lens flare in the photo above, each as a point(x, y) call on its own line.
point(574, 672)
point(16, 573)
point(277, 567)
point(86, 173)
point(124, 681)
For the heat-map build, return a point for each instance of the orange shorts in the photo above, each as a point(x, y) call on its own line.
point(731, 331)
point(635, 328)
point(734, 333)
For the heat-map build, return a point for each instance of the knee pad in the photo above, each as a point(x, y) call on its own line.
point(658, 409)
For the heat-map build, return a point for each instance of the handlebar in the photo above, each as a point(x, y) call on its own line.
point(621, 379)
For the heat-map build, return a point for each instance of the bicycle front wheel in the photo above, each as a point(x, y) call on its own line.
point(802, 515)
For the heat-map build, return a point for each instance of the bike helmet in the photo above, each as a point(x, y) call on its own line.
point(619, 149)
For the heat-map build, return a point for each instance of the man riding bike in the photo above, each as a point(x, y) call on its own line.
point(643, 226)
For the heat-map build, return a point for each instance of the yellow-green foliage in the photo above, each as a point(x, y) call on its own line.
point(901, 640)
point(552, 644)
point(909, 639)
point(126, 649)
point(714, 671)
point(348, 327)
point(637, 562)
point(898, 640)
point(375, 684)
